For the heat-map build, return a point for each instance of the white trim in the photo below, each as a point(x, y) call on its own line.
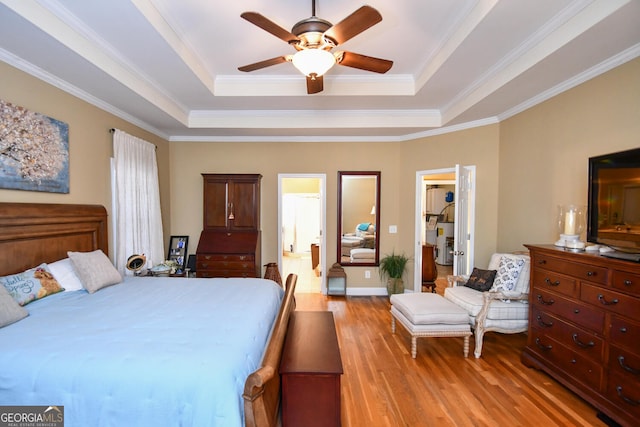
point(363, 292)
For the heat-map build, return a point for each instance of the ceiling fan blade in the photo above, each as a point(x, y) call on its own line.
point(363, 62)
point(353, 24)
point(263, 64)
point(314, 85)
point(269, 26)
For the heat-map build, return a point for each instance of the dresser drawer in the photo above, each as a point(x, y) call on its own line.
point(627, 282)
point(225, 265)
point(625, 363)
point(571, 310)
point(582, 342)
point(572, 365)
point(225, 273)
point(580, 271)
point(545, 279)
point(226, 257)
point(625, 332)
point(610, 300)
point(625, 393)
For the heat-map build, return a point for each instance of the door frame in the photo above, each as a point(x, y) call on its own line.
point(417, 280)
point(323, 221)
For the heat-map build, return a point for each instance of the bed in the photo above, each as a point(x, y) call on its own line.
point(148, 351)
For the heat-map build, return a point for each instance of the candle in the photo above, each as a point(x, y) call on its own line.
point(570, 223)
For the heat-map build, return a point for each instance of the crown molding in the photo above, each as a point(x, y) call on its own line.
point(54, 81)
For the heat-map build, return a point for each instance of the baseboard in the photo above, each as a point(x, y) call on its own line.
point(366, 292)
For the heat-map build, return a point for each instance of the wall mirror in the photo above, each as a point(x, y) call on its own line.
point(358, 218)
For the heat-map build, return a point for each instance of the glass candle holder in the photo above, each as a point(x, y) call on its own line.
point(571, 222)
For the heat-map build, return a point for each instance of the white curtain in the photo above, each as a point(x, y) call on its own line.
point(138, 220)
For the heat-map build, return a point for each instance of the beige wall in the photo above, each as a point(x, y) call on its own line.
point(544, 152)
point(478, 147)
point(525, 165)
point(301, 185)
point(90, 143)
point(270, 159)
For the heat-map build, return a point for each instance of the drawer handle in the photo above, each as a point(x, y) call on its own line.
point(605, 302)
point(623, 330)
point(542, 346)
point(550, 283)
point(625, 398)
point(580, 343)
point(542, 301)
point(628, 282)
point(543, 323)
point(591, 273)
point(576, 311)
point(627, 367)
point(542, 261)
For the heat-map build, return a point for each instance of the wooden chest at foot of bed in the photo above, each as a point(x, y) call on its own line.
point(228, 254)
point(310, 368)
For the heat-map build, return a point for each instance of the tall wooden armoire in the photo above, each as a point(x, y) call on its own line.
point(229, 244)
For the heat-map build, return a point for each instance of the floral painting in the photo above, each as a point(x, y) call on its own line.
point(34, 151)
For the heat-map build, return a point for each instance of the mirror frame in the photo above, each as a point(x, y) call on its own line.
point(376, 260)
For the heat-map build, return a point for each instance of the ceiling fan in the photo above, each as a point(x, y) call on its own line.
point(313, 38)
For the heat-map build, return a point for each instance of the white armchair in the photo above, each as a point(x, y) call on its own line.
point(504, 308)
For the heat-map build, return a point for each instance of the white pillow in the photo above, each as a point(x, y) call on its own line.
point(94, 270)
point(10, 310)
point(65, 275)
point(507, 274)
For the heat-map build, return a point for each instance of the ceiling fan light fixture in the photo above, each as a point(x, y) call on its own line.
point(313, 62)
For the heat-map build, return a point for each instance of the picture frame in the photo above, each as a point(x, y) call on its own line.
point(178, 246)
point(34, 152)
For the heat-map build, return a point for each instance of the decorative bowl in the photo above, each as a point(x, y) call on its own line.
point(161, 270)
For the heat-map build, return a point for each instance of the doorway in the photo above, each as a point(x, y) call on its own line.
point(445, 217)
point(301, 221)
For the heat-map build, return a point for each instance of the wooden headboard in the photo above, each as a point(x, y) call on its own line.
point(33, 233)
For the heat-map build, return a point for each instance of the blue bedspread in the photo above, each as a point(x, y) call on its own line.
point(147, 352)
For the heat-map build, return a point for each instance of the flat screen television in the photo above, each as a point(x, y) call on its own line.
point(613, 214)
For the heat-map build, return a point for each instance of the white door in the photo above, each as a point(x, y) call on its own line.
point(463, 234)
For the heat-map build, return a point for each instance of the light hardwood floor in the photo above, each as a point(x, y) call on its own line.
point(383, 386)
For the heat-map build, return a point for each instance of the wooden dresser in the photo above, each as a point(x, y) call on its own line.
point(584, 327)
point(229, 244)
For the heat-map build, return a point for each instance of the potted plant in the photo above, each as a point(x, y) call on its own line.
point(393, 267)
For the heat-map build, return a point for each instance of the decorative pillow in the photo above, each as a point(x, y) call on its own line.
point(508, 271)
point(10, 310)
point(481, 280)
point(364, 226)
point(31, 285)
point(94, 270)
point(65, 275)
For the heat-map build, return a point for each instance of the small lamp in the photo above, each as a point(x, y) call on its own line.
point(570, 222)
point(336, 280)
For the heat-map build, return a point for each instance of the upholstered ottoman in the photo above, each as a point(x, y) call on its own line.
point(429, 315)
point(363, 255)
point(348, 243)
